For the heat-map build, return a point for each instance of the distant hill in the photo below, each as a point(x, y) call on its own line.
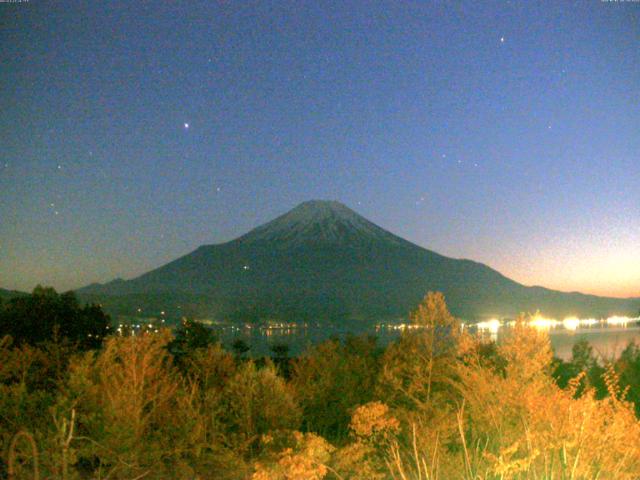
point(323, 261)
point(7, 294)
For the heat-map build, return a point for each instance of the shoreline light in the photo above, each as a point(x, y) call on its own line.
point(571, 323)
point(588, 321)
point(542, 323)
point(618, 320)
point(491, 326)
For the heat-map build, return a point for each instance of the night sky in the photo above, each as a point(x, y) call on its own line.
point(505, 132)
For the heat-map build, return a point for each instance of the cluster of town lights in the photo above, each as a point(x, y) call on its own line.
point(491, 326)
point(569, 323)
point(537, 321)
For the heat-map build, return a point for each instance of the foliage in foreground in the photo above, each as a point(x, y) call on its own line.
point(436, 404)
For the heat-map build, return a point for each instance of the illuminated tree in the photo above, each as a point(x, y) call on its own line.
point(373, 431)
point(125, 398)
point(293, 456)
point(419, 363)
point(331, 379)
point(257, 401)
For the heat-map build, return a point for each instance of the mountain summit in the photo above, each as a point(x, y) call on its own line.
point(323, 261)
point(319, 221)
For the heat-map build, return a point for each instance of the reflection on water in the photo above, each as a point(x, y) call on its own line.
point(607, 342)
point(608, 336)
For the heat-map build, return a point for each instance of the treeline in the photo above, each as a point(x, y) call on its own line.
point(436, 404)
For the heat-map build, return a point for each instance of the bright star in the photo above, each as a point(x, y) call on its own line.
point(501, 39)
point(186, 125)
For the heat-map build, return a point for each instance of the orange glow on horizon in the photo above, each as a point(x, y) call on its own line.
point(606, 265)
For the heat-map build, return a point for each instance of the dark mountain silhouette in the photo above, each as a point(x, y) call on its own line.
point(7, 294)
point(323, 261)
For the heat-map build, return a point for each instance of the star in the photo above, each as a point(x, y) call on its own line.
point(186, 126)
point(501, 39)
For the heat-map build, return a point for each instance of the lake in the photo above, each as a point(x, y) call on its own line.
point(607, 336)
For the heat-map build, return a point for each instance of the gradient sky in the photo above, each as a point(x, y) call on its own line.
point(504, 132)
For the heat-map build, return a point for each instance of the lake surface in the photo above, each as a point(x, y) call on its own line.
point(607, 336)
point(607, 342)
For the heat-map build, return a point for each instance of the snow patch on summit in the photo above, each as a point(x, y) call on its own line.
point(319, 221)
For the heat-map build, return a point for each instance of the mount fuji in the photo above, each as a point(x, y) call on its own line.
point(323, 261)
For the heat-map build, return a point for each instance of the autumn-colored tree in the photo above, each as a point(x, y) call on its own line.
point(125, 398)
point(374, 431)
point(628, 368)
point(419, 365)
point(293, 456)
point(24, 401)
point(516, 423)
point(417, 374)
point(210, 367)
point(255, 402)
point(512, 420)
point(439, 403)
point(203, 437)
point(331, 379)
point(584, 363)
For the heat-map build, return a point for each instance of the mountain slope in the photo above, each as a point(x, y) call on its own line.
point(8, 294)
point(322, 260)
